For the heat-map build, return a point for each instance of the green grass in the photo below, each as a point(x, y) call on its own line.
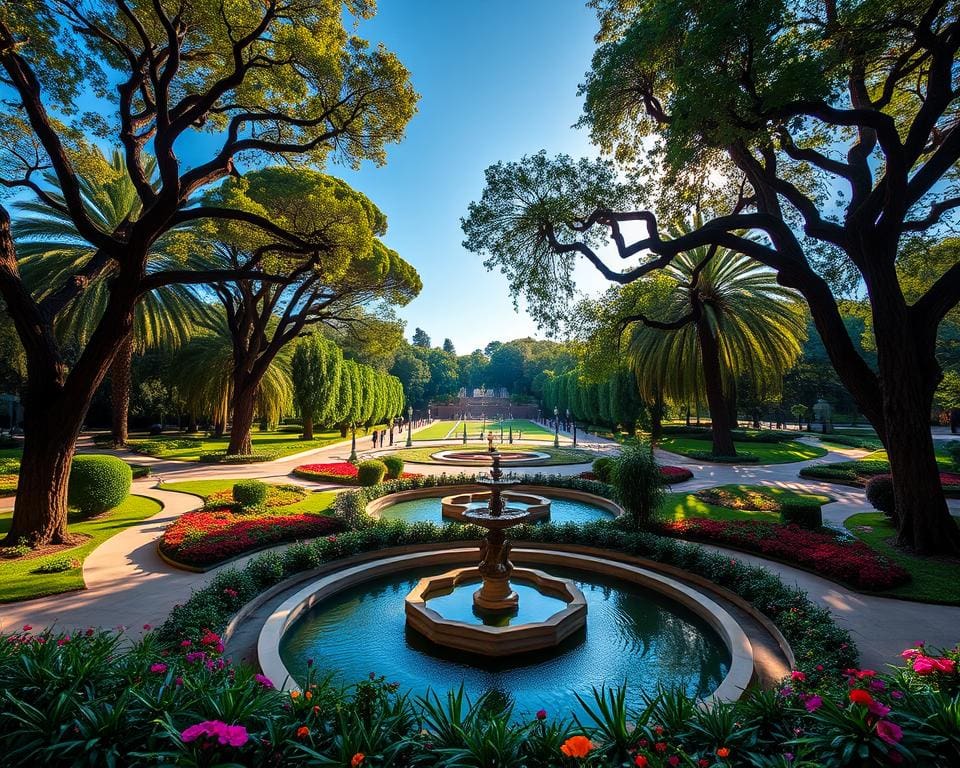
point(683, 506)
point(740, 494)
point(436, 431)
point(933, 579)
point(557, 455)
point(766, 453)
point(314, 502)
point(11, 453)
point(279, 443)
point(17, 582)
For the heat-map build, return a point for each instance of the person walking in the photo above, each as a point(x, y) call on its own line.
point(374, 438)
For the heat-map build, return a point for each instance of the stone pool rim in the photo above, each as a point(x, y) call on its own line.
point(730, 633)
point(377, 505)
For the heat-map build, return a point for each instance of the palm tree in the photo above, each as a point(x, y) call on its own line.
point(50, 250)
point(204, 377)
point(729, 318)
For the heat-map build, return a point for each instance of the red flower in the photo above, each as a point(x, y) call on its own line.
point(640, 761)
point(723, 752)
point(303, 732)
point(541, 714)
point(859, 696)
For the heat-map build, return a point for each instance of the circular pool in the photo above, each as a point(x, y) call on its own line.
point(481, 457)
point(562, 510)
point(633, 633)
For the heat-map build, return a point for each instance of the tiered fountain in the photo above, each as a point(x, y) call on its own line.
point(495, 629)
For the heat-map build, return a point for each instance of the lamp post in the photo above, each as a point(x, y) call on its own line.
point(409, 423)
point(574, 433)
point(556, 427)
point(353, 442)
point(500, 418)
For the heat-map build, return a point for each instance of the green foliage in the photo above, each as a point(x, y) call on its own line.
point(222, 457)
point(316, 368)
point(879, 492)
point(250, 494)
point(602, 468)
point(394, 465)
point(57, 565)
point(98, 484)
point(638, 483)
point(371, 472)
point(805, 514)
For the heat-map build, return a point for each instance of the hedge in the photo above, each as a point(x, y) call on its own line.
point(371, 472)
point(98, 483)
point(394, 465)
point(222, 457)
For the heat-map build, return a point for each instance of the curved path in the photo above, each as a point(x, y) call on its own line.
point(128, 584)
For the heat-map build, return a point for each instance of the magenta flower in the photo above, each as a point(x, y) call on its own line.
point(813, 703)
point(265, 681)
point(797, 676)
point(889, 732)
point(878, 709)
point(227, 735)
point(158, 669)
point(541, 714)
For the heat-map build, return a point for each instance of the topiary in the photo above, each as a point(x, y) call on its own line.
point(250, 494)
point(394, 465)
point(880, 494)
point(371, 472)
point(637, 482)
point(602, 468)
point(805, 514)
point(98, 483)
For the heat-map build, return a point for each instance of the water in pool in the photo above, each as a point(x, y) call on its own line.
point(631, 634)
point(428, 510)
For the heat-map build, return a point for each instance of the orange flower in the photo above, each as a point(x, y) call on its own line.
point(294, 694)
point(303, 732)
point(308, 695)
point(357, 759)
point(576, 746)
point(723, 752)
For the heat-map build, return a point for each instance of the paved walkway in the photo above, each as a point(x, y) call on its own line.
point(128, 584)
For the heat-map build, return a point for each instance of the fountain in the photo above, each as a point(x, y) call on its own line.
point(496, 601)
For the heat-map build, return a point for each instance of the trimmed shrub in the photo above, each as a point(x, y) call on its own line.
point(880, 494)
point(806, 515)
point(250, 494)
point(140, 471)
point(371, 472)
point(222, 457)
point(98, 483)
point(740, 458)
point(637, 482)
point(602, 468)
point(394, 465)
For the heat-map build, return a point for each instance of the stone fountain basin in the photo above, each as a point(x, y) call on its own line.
point(496, 641)
point(457, 507)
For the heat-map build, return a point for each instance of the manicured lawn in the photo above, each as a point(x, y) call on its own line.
point(766, 453)
point(17, 580)
point(314, 502)
point(859, 471)
point(278, 443)
point(439, 430)
point(685, 506)
point(934, 579)
point(762, 497)
point(557, 455)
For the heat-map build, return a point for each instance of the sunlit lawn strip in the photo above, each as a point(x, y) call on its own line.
point(765, 453)
point(17, 578)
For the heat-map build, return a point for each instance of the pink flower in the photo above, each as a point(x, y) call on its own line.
point(158, 669)
point(185, 643)
point(541, 714)
point(813, 703)
point(27, 627)
point(910, 653)
point(673, 760)
point(178, 681)
point(878, 709)
point(889, 732)
point(798, 676)
point(146, 627)
point(232, 735)
point(923, 665)
point(265, 681)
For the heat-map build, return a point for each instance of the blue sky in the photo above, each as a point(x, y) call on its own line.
point(497, 80)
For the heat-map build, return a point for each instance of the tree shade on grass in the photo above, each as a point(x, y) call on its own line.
point(17, 578)
point(934, 579)
point(757, 497)
point(686, 506)
point(765, 453)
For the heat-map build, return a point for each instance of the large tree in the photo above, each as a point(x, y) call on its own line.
point(272, 78)
point(315, 370)
point(354, 269)
point(833, 129)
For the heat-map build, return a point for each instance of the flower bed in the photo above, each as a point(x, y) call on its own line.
point(673, 475)
point(851, 562)
point(342, 473)
point(210, 536)
point(184, 703)
point(277, 496)
point(856, 473)
point(8, 484)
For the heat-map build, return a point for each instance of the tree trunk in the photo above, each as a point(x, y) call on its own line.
point(244, 404)
point(120, 391)
point(50, 437)
point(656, 420)
point(713, 381)
point(909, 375)
point(308, 427)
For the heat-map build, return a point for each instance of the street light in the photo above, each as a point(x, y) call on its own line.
point(556, 427)
point(409, 422)
point(574, 433)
